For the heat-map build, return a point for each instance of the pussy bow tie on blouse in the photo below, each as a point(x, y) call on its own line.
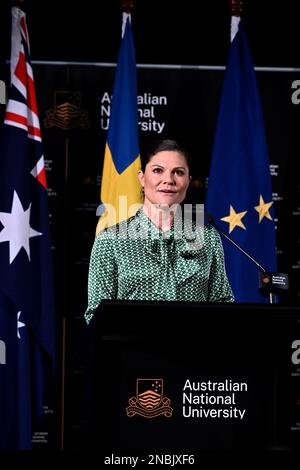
point(181, 242)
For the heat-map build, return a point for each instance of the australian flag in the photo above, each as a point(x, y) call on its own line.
point(239, 195)
point(27, 327)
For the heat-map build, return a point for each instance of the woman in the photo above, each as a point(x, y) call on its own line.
point(158, 254)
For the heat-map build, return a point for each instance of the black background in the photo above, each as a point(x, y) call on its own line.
point(164, 33)
point(186, 32)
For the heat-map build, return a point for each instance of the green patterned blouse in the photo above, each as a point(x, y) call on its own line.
point(135, 260)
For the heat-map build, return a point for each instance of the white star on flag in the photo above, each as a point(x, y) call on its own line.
point(17, 230)
point(19, 325)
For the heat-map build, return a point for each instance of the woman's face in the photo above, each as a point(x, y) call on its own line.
point(166, 179)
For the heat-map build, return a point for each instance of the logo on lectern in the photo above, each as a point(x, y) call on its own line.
point(149, 401)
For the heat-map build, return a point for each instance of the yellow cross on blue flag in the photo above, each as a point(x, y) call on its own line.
point(239, 194)
point(120, 189)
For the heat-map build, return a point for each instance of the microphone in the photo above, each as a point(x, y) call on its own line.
point(270, 283)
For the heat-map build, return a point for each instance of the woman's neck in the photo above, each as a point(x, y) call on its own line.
point(161, 217)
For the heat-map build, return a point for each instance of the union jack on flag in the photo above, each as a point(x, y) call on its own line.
point(27, 313)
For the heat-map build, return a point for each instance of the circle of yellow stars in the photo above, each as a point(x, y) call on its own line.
point(234, 219)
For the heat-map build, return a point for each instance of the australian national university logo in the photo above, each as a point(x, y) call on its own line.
point(149, 401)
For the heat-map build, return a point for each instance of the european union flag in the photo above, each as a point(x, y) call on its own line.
point(239, 195)
point(27, 328)
point(120, 187)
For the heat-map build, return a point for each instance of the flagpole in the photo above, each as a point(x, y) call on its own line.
point(19, 4)
point(236, 9)
point(31, 306)
point(127, 6)
point(122, 159)
point(65, 294)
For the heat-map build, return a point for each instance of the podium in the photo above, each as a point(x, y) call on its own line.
point(176, 377)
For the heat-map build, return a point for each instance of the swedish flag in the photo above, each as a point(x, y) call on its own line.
point(239, 194)
point(120, 188)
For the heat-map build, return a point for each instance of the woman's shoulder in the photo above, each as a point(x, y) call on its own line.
point(211, 235)
point(208, 230)
point(116, 231)
point(211, 231)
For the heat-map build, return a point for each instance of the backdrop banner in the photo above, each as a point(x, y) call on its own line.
point(182, 103)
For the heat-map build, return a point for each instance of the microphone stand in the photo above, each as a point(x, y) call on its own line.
point(210, 219)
